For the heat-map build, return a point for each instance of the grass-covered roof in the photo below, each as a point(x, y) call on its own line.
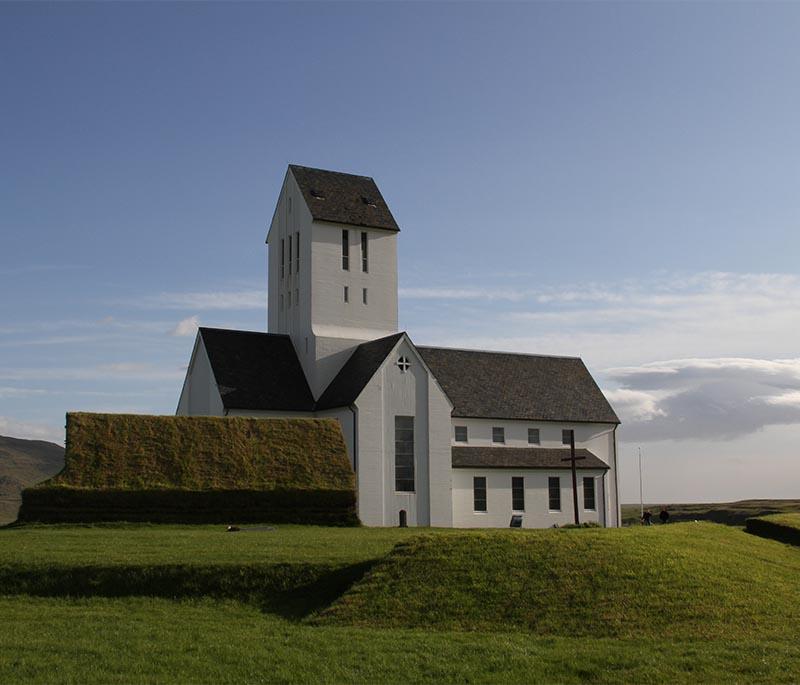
point(135, 452)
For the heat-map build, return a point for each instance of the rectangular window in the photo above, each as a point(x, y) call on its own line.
point(588, 494)
point(498, 434)
point(297, 252)
point(297, 298)
point(346, 294)
point(290, 255)
point(533, 436)
point(479, 493)
point(346, 250)
point(364, 295)
point(364, 255)
point(518, 493)
point(461, 434)
point(554, 493)
point(404, 453)
point(283, 257)
point(566, 437)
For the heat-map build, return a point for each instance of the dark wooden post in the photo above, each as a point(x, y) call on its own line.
point(572, 458)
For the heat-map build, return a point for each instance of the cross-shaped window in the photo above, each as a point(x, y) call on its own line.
point(403, 364)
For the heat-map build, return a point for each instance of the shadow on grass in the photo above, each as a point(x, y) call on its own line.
point(292, 591)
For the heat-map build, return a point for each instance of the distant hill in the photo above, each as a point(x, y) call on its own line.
point(24, 463)
point(729, 513)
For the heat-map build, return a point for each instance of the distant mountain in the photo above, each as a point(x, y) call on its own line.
point(24, 463)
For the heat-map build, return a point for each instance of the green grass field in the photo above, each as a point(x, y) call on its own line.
point(729, 513)
point(682, 603)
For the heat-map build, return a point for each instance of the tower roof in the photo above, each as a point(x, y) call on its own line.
point(343, 198)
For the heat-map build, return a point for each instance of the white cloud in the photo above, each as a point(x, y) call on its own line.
point(231, 300)
point(130, 371)
point(13, 428)
point(186, 327)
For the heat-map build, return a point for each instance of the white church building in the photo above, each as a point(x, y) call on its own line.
point(436, 436)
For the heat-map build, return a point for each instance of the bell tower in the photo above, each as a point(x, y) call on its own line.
point(332, 268)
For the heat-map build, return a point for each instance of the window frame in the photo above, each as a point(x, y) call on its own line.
point(345, 250)
point(566, 434)
point(404, 424)
point(593, 489)
point(466, 433)
point(290, 255)
point(475, 499)
point(517, 494)
point(346, 294)
point(283, 258)
point(550, 484)
point(534, 432)
point(297, 252)
point(364, 253)
point(502, 430)
point(364, 296)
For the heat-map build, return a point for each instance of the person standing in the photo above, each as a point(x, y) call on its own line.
point(664, 515)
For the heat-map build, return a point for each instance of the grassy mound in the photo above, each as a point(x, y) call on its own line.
point(194, 469)
point(783, 527)
point(679, 581)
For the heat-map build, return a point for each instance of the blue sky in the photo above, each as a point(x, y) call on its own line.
point(616, 181)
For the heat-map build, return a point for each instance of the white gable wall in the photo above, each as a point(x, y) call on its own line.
point(392, 393)
point(200, 395)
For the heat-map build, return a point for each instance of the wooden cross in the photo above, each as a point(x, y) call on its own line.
point(572, 458)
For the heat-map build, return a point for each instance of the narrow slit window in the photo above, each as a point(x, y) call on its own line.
point(566, 437)
point(290, 255)
point(346, 294)
point(498, 434)
point(364, 295)
point(518, 493)
point(588, 494)
point(533, 436)
point(289, 300)
point(404, 453)
point(554, 493)
point(297, 252)
point(297, 297)
point(346, 250)
point(461, 434)
point(479, 493)
point(283, 256)
point(364, 253)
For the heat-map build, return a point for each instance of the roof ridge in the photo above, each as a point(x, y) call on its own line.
point(329, 171)
point(513, 354)
point(237, 330)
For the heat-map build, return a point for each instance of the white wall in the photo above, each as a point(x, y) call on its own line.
point(598, 438)
point(536, 513)
point(200, 395)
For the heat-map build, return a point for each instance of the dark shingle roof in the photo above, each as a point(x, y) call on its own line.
point(356, 372)
point(522, 458)
point(257, 370)
point(518, 386)
point(343, 198)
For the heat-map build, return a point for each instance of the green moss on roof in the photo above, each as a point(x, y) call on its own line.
point(135, 452)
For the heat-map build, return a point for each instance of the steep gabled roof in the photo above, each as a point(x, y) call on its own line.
point(343, 198)
point(357, 372)
point(502, 385)
point(522, 458)
point(257, 370)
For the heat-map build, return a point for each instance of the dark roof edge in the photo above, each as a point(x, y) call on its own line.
point(349, 223)
point(515, 354)
point(507, 418)
point(578, 466)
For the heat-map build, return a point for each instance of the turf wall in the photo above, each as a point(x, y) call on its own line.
point(773, 527)
point(183, 469)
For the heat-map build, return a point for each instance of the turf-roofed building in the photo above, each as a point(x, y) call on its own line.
point(436, 436)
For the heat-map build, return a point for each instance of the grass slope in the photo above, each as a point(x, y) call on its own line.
point(140, 640)
point(782, 527)
point(684, 581)
point(729, 513)
point(24, 463)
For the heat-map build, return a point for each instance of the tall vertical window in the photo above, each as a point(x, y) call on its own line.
point(346, 294)
point(518, 493)
point(479, 493)
point(364, 254)
point(461, 434)
point(290, 255)
point(364, 295)
point(533, 436)
point(289, 300)
point(404, 453)
point(566, 437)
point(554, 493)
point(588, 493)
point(498, 434)
point(297, 252)
point(297, 297)
point(346, 250)
point(283, 257)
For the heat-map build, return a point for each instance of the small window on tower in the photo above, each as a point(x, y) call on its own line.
point(346, 250)
point(297, 252)
point(364, 295)
point(283, 256)
point(364, 253)
point(346, 294)
point(289, 300)
point(290, 255)
point(297, 298)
